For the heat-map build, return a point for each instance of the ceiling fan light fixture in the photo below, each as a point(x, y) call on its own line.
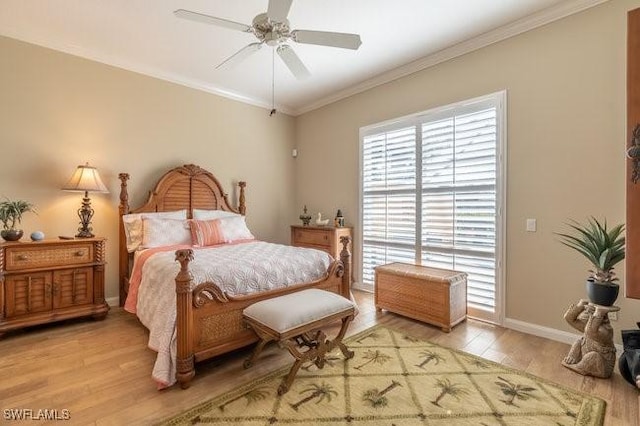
point(272, 28)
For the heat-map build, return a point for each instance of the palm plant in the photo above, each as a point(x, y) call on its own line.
point(11, 215)
point(601, 246)
point(11, 212)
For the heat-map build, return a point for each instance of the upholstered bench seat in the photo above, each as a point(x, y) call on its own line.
point(291, 319)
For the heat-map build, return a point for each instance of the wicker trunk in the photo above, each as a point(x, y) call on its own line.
point(435, 296)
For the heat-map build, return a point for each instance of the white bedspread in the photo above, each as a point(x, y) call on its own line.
point(238, 269)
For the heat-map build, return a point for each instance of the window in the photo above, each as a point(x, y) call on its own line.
point(432, 193)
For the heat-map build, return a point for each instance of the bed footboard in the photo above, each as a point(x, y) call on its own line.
point(209, 322)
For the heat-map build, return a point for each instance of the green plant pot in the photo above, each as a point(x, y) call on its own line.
point(602, 294)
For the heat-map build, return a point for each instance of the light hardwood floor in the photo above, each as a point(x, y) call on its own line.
point(100, 371)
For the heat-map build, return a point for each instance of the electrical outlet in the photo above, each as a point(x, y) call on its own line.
point(613, 316)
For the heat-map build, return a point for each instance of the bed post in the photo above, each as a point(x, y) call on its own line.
point(184, 321)
point(242, 208)
point(345, 257)
point(123, 254)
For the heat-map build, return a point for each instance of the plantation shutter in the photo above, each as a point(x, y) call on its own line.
point(430, 197)
point(389, 201)
point(459, 200)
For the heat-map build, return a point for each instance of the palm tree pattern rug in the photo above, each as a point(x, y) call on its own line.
point(396, 379)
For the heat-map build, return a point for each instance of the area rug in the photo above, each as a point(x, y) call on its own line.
point(396, 379)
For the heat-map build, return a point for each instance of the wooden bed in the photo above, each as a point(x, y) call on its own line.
point(209, 322)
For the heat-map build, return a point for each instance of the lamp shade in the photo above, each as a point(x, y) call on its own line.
point(85, 178)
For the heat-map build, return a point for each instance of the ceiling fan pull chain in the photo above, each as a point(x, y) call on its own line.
point(273, 82)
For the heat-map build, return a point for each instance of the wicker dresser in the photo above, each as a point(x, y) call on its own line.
point(51, 280)
point(435, 296)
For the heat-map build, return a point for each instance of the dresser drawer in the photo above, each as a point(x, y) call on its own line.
point(19, 258)
point(316, 237)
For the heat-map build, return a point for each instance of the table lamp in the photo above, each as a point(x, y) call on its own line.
point(87, 179)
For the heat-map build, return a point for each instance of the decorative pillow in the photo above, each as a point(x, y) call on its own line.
point(133, 225)
point(205, 232)
point(199, 214)
point(164, 232)
point(218, 231)
point(235, 229)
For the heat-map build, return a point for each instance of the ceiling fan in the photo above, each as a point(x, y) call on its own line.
point(272, 28)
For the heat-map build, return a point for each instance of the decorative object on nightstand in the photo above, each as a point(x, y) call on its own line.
point(85, 179)
point(320, 221)
point(37, 236)
point(11, 215)
point(339, 220)
point(51, 280)
point(305, 217)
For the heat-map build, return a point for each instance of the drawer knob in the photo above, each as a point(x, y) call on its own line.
point(79, 253)
point(23, 257)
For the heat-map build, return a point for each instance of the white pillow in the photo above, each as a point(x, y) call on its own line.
point(133, 225)
point(164, 232)
point(199, 214)
point(234, 229)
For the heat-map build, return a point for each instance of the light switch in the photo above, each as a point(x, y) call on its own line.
point(531, 225)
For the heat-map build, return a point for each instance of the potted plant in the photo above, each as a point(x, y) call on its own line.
point(603, 248)
point(11, 215)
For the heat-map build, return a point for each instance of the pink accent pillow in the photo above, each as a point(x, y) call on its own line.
point(218, 231)
point(206, 232)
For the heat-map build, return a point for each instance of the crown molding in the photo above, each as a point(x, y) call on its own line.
point(138, 68)
point(520, 26)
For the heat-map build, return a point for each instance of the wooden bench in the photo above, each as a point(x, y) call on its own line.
point(294, 320)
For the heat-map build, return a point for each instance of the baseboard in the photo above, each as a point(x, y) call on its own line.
point(546, 332)
point(358, 286)
point(113, 301)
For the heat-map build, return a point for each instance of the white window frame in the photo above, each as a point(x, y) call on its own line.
point(499, 99)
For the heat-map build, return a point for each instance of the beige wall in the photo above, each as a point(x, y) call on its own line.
point(566, 121)
point(59, 111)
point(566, 139)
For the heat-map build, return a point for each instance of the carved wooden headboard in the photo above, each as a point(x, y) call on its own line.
point(187, 187)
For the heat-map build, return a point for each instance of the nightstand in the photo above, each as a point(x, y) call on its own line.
point(325, 238)
point(51, 280)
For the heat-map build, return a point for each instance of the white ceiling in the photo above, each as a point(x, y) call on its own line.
point(398, 37)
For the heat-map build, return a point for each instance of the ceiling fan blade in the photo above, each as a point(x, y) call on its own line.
point(199, 17)
point(240, 55)
point(293, 62)
point(325, 38)
point(278, 10)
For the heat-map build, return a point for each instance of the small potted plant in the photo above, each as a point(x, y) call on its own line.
point(11, 215)
point(603, 248)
